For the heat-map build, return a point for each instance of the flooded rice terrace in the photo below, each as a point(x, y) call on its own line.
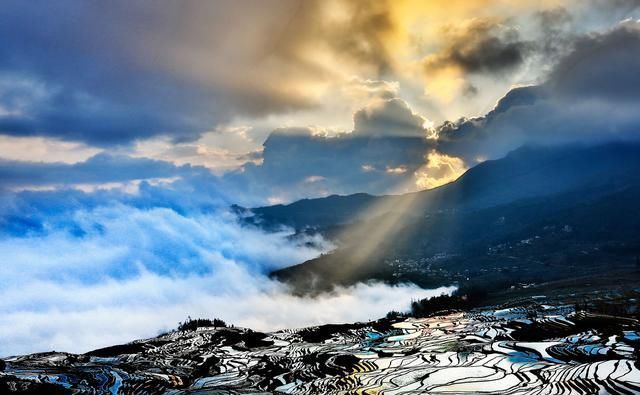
point(537, 349)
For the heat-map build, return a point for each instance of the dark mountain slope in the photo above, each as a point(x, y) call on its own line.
point(541, 239)
point(591, 223)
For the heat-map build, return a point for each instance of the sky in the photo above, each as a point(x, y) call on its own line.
point(285, 99)
point(128, 128)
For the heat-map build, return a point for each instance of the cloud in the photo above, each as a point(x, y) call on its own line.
point(112, 75)
point(220, 150)
point(38, 149)
point(381, 155)
point(391, 117)
point(590, 96)
point(138, 268)
point(339, 164)
point(557, 27)
point(481, 45)
point(609, 10)
point(372, 89)
point(366, 35)
point(331, 37)
point(37, 106)
point(99, 169)
point(471, 61)
point(387, 146)
point(601, 67)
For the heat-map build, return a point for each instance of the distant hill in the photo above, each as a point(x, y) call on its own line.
point(539, 214)
point(321, 212)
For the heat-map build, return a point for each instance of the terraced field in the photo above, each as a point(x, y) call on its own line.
point(536, 349)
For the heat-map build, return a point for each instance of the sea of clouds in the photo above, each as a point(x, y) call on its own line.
point(83, 270)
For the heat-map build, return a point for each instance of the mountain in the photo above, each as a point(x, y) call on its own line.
point(540, 214)
point(528, 172)
point(322, 212)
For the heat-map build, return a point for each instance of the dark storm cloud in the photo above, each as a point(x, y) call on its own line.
point(483, 45)
point(592, 95)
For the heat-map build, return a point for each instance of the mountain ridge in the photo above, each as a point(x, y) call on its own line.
point(459, 237)
point(472, 189)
